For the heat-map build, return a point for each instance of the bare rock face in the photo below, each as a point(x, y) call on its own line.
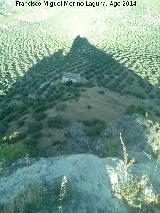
point(81, 183)
point(78, 138)
point(136, 136)
point(152, 170)
point(83, 180)
point(138, 133)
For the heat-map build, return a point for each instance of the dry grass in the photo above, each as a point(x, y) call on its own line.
point(136, 191)
point(107, 107)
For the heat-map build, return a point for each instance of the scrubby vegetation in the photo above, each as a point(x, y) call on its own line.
point(110, 149)
point(12, 152)
point(95, 127)
point(152, 128)
point(137, 192)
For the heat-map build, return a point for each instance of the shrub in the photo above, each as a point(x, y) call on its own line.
point(110, 149)
point(39, 109)
point(12, 152)
point(97, 126)
point(61, 106)
point(157, 113)
point(21, 123)
point(141, 110)
point(58, 143)
point(55, 122)
point(21, 135)
point(35, 126)
point(37, 135)
point(31, 141)
point(152, 96)
point(130, 109)
point(69, 83)
point(3, 127)
point(7, 110)
point(78, 84)
point(39, 116)
point(11, 117)
point(138, 93)
point(101, 92)
point(135, 109)
point(136, 191)
point(21, 108)
point(150, 108)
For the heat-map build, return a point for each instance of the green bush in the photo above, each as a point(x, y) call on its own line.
point(58, 143)
point(11, 117)
point(39, 116)
point(12, 152)
point(157, 113)
point(78, 84)
point(39, 109)
point(35, 126)
point(37, 135)
point(21, 108)
point(130, 109)
point(21, 123)
point(3, 127)
point(110, 149)
point(135, 109)
point(141, 110)
point(96, 127)
point(21, 135)
point(139, 94)
point(31, 141)
point(102, 92)
point(55, 122)
point(61, 106)
point(6, 111)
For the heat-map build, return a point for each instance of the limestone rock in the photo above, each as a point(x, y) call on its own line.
point(78, 138)
point(87, 176)
point(134, 131)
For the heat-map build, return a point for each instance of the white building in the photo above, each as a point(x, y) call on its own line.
point(75, 78)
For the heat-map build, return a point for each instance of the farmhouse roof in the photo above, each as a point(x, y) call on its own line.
point(71, 75)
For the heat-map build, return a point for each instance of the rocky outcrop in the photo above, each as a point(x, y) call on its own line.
point(78, 139)
point(136, 136)
point(151, 169)
point(138, 133)
point(82, 183)
point(76, 183)
point(87, 177)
